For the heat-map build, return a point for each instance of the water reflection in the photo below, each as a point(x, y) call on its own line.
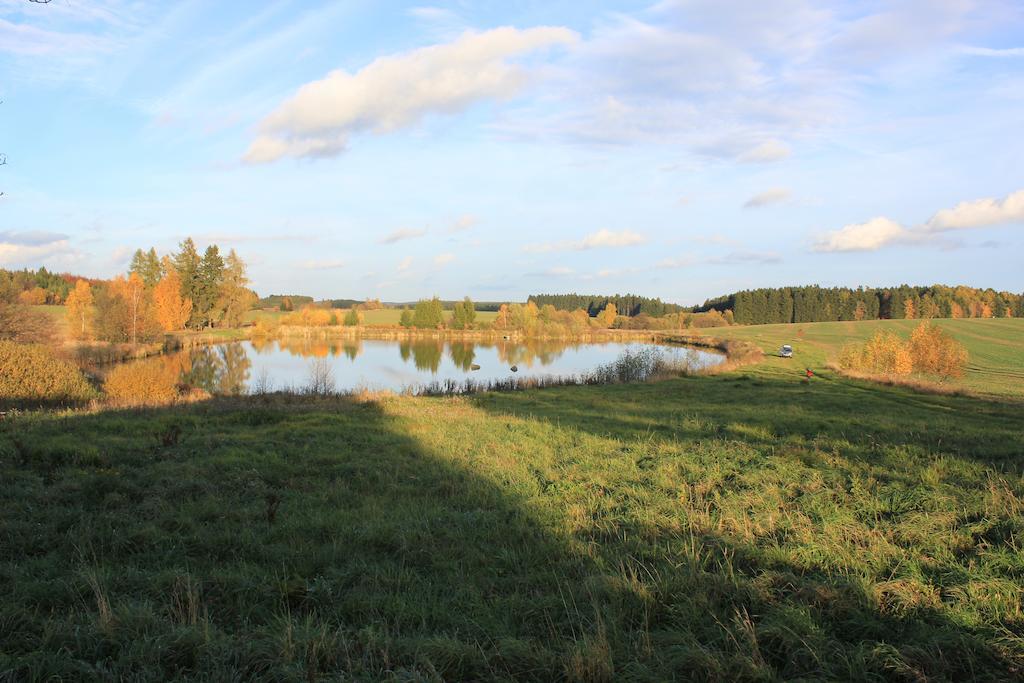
point(379, 364)
point(221, 369)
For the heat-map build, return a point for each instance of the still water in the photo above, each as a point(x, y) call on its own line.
point(395, 365)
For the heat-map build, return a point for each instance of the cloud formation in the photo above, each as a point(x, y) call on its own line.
point(444, 259)
point(397, 91)
point(596, 240)
point(402, 234)
point(882, 232)
point(979, 213)
point(32, 246)
point(775, 195)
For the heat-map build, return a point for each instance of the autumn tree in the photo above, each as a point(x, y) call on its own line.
point(406, 318)
point(139, 306)
point(608, 315)
point(235, 296)
point(909, 309)
point(172, 310)
point(352, 317)
point(33, 297)
point(80, 309)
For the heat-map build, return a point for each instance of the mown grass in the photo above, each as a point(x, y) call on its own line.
point(747, 526)
point(995, 347)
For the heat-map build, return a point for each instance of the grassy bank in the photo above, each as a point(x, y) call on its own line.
point(738, 527)
point(995, 347)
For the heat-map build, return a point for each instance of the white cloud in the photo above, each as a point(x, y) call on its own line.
point(881, 231)
point(398, 90)
point(874, 234)
point(775, 195)
point(27, 252)
point(444, 259)
point(979, 213)
point(405, 264)
point(603, 238)
point(402, 234)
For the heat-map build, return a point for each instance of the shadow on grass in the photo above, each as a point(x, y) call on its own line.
point(304, 538)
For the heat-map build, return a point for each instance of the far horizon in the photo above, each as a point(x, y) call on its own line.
point(682, 149)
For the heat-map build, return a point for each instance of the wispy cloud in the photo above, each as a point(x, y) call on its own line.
point(442, 260)
point(326, 264)
point(397, 91)
point(405, 264)
point(402, 234)
point(775, 195)
point(597, 240)
point(993, 52)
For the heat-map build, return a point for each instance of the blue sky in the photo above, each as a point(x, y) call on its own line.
point(681, 149)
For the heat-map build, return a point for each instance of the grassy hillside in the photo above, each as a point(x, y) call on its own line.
point(996, 346)
point(741, 527)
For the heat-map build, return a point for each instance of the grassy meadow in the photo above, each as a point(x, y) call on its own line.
point(744, 526)
point(995, 347)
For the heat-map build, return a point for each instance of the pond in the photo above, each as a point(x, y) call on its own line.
point(398, 365)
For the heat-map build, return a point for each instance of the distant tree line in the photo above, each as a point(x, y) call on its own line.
point(819, 304)
point(36, 287)
point(285, 302)
point(625, 304)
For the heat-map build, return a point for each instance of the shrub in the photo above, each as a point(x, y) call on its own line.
point(29, 373)
point(929, 351)
point(145, 382)
point(25, 325)
point(937, 353)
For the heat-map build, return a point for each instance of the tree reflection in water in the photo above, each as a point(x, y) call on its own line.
point(222, 369)
point(462, 354)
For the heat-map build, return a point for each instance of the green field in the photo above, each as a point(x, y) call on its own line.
point(995, 347)
point(746, 526)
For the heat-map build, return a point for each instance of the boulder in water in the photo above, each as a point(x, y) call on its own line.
point(514, 368)
point(474, 366)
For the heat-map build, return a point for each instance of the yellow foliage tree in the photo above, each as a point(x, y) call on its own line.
point(936, 353)
point(608, 315)
point(80, 310)
point(133, 291)
point(909, 309)
point(172, 309)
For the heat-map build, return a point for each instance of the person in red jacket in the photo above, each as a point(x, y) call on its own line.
point(810, 373)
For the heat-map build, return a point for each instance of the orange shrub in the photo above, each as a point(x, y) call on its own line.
point(937, 353)
point(310, 316)
point(929, 351)
point(885, 353)
point(31, 373)
point(144, 382)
